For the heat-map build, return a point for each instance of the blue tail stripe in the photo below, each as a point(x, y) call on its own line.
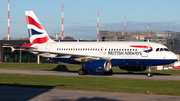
point(34, 32)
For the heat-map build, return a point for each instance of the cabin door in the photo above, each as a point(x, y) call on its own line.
point(145, 49)
point(102, 51)
point(48, 47)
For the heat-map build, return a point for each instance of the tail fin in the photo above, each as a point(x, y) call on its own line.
point(37, 33)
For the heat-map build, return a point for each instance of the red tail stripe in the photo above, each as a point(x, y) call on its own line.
point(26, 45)
point(40, 40)
point(31, 21)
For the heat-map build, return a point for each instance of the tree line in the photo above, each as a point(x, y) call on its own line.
point(27, 38)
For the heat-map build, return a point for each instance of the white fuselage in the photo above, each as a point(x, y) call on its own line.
point(121, 53)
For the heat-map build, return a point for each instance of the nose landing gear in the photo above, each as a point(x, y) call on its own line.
point(150, 74)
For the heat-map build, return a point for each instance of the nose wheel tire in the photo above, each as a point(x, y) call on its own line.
point(150, 75)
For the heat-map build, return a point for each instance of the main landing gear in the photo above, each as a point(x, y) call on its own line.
point(85, 72)
point(110, 72)
point(82, 72)
point(150, 74)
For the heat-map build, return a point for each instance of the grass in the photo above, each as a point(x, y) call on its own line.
point(164, 87)
point(74, 68)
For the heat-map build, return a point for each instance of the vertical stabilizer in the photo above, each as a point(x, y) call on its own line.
point(37, 33)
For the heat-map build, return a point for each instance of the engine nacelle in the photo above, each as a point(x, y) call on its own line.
point(133, 68)
point(97, 66)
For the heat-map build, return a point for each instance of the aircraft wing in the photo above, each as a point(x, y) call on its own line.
point(77, 57)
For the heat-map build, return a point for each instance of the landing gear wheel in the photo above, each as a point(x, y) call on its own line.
point(82, 72)
point(150, 74)
point(109, 73)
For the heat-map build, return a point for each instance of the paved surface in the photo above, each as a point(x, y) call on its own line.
point(35, 94)
point(60, 73)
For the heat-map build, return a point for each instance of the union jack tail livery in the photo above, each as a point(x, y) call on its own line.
point(37, 34)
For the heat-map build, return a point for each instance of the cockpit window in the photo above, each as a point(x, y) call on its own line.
point(161, 49)
point(157, 49)
point(165, 49)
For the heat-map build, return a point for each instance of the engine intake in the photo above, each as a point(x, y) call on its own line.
point(97, 66)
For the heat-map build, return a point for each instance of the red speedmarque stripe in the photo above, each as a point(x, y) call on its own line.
point(26, 45)
point(139, 46)
point(40, 40)
point(31, 21)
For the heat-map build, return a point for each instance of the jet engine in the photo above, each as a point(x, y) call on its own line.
point(97, 66)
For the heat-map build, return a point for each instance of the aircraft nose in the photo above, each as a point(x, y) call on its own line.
point(173, 56)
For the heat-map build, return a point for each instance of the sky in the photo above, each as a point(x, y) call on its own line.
point(80, 16)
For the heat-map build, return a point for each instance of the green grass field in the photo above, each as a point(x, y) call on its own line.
point(56, 67)
point(164, 87)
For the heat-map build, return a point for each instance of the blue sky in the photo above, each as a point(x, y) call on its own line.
point(80, 16)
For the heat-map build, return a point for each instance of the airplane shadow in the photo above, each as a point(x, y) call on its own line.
point(134, 73)
point(19, 92)
point(63, 68)
point(93, 99)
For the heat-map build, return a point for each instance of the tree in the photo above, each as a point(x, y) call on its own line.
point(27, 38)
point(51, 37)
point(5, 38)
point(69, 38)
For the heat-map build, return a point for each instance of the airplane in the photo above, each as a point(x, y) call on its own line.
point(97, 56)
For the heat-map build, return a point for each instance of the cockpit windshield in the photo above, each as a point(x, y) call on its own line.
point(161, 49)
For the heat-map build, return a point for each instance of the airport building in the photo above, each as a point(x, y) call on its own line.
point(18, 56)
